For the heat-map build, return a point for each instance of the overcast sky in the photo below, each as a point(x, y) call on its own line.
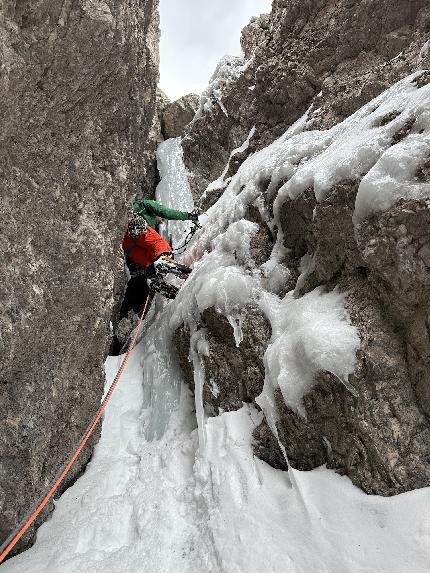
point(195, 34)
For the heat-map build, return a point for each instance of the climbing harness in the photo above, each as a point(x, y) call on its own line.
point(180, 250)
point(16, 535)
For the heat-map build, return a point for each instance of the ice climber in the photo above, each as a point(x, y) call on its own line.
point(149, 257)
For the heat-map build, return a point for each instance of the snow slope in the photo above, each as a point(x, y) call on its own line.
point(170, 490)
point(163, 505)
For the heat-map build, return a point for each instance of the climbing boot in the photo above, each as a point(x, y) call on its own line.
point(166, 264)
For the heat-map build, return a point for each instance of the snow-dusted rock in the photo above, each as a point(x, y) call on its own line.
point(326, 231)
point(77, 87)
point(178, 114)
point(333, 56)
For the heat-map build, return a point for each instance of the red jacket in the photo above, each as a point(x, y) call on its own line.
point(146, 249)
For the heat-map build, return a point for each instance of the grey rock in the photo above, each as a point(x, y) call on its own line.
point(178, 114)
point(335, 57)
point(295, 59)
point(162, 102)
point(373, 427)
point(235, 374)
point(266, 447)
point(151, 176)
point(374, 431)
point(255, 34)
point(262, 243)
point(77, 86)
point(324, 230)
point(393, 245)
point(125, 328)
point(378, 434)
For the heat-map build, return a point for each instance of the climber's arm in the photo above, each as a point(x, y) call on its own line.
point(165, 212)
point(139, 208)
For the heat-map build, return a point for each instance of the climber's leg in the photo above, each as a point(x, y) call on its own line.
point(135, 295)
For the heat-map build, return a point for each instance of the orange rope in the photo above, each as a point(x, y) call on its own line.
point(16, 537)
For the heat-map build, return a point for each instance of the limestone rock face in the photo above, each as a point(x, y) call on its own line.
point(375, 427)
point(376, 431)
point(162, 102)
point(78, 87)
point(155, 137)
point(236, 372)
point(329, 57)
point(336, 55)
point(178, 114)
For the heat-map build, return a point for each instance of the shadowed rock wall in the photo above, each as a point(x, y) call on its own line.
point(77, 85)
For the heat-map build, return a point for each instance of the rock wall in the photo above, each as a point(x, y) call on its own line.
point(377, 431)
point(332, 54)
point(78, 87)
point(150, 177)
point(335, 56)
point(170, 120)
point(178, 114)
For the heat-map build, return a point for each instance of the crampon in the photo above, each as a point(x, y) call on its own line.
point(166, 290)
point(166, 264)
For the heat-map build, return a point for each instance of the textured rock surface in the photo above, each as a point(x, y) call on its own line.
point(375, 428)
point(378, 433)
point(236, 373)
point(334, 54)
point(151, 177)
point(374, 432)
point(77, 85)
point(178, 114)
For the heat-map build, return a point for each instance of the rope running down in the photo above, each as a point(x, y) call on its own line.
point(15, 536)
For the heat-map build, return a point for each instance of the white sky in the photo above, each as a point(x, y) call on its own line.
point(195, 34)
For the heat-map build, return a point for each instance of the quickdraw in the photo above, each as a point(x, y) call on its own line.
point(180, 250)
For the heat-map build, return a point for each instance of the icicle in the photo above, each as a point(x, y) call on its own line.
point(237, 329)
point(199, 347)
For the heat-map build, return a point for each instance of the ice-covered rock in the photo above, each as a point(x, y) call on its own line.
point(334, 58)
point(325, 232)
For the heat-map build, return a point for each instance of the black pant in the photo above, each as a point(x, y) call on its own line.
point(135, 295)
point(137, 287)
